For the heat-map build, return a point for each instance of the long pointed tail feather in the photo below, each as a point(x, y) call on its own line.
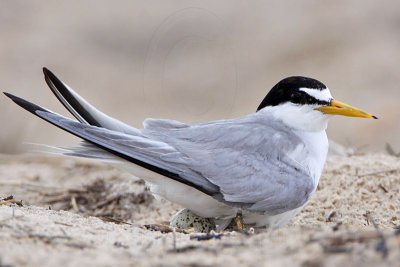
point(82, 110)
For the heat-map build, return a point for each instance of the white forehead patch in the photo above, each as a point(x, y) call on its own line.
point(323, 95)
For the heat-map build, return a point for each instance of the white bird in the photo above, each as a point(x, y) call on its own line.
point(265, 165)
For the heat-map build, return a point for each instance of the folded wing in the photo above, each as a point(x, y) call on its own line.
point(247, 158)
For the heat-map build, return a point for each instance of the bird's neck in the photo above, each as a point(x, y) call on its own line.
point(309, 125)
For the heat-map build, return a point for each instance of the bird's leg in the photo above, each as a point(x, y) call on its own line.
point(239, 222)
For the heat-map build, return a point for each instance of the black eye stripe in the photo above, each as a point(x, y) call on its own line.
point(300, 97)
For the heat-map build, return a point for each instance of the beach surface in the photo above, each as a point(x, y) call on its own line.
point(70, 212)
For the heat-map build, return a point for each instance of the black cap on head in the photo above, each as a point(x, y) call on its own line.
point(287, 90)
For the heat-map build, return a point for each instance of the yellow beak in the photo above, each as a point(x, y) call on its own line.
point(339, 108)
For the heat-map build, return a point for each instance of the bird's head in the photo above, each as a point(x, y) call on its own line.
point(306, 104)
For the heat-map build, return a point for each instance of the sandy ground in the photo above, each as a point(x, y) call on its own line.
point(79, 213)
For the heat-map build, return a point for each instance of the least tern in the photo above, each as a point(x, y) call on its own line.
point(265, 165)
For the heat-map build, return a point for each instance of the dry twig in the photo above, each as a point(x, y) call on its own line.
point(390, 151)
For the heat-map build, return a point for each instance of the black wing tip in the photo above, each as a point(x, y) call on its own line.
point(47, 72)
point(52, 81)
point(9, 95)
point(14, 98)
point(58, 87)
point(50, 77)
point(24, 103)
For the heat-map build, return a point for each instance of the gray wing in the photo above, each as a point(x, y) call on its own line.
point(243, 162)
point(248, 159)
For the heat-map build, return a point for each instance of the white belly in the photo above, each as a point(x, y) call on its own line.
point(276, 221)
point(184, 195)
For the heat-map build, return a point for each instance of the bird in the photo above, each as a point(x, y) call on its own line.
point(262, 167)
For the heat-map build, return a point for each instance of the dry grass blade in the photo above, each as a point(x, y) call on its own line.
point(383, 188)
point(389, 171)
point(109, 219)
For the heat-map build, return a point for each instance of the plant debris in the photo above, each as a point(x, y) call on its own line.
point(100, 200)
point(164, 228)
point(10, 200)
point(206, 237)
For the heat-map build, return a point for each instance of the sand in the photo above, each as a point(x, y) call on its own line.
point(80, 213)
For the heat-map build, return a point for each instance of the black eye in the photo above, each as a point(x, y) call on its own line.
point(298, 98)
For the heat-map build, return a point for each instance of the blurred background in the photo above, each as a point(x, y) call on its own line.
point(199, 60)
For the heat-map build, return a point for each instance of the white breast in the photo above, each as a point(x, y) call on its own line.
point(314, 154)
